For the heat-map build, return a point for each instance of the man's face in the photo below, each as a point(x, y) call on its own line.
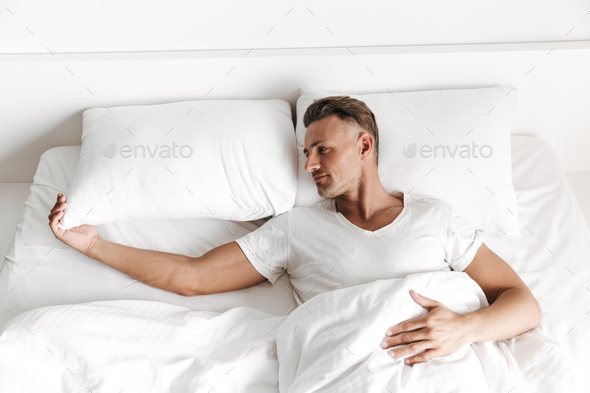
point(333, 157)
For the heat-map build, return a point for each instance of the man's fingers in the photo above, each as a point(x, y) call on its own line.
point(52, 218)
point(404, 338)
point(58, 207)
point(60, 198)
point(407, 326)
point(56, 213)
point(410, 349)
point(56, 210)
point(53, 222)
point(423, 357)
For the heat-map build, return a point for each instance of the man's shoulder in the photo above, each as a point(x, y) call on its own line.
point(324, 204)
point(430, 203)
point(297, 211)
point(319, 206)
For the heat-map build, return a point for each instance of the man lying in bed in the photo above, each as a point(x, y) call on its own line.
point(360, 234)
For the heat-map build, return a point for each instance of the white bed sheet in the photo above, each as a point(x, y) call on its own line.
point(552, 257)
point(39, 270)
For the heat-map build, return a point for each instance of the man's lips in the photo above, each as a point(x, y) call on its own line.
point(319, 178)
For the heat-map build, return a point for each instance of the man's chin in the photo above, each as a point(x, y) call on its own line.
point(323, 192)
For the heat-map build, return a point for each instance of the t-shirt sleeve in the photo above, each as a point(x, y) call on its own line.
point(463, 241)
point(267, 248)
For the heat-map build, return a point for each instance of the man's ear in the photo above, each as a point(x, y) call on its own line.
point(365, 144)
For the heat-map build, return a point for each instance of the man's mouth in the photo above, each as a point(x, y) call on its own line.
point(319, 178)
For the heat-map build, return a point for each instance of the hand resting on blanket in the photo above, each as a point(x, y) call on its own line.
point(331, 343)
point(438, 333)
point(512, 310)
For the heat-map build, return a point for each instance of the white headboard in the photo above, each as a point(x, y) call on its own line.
point(42, 96)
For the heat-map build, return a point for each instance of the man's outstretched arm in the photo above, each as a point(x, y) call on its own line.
point(224, 268)
point(513, 310)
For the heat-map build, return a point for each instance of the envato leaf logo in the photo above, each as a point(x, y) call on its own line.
point(147, 151)
point(462, 151)
point(110, 150)
point(410, 150)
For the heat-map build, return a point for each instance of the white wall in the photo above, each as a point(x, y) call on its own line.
point(104, 26)
point(42, 96)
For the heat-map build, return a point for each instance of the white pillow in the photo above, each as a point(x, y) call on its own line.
point(224, 159)
point(479, 188)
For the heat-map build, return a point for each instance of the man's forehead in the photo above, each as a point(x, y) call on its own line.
point(315, 140)
point(322, 133)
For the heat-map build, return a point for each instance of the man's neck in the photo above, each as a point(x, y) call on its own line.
point(367, 206)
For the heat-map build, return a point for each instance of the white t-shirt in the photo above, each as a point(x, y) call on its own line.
point(322, 251)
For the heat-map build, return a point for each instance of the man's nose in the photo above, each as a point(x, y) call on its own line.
point(312, 163)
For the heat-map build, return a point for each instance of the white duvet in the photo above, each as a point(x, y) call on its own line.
point(332, 344)
point(328, 344)
point(138, 346)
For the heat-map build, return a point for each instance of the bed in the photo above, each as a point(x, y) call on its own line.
point(40, 272)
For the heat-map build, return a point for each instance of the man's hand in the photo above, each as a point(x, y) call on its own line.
point(81, 238)
point(440, 332)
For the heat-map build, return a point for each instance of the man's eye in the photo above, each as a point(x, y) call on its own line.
point(319, 148)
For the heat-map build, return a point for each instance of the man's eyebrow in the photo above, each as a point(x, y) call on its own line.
point(313, 144)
